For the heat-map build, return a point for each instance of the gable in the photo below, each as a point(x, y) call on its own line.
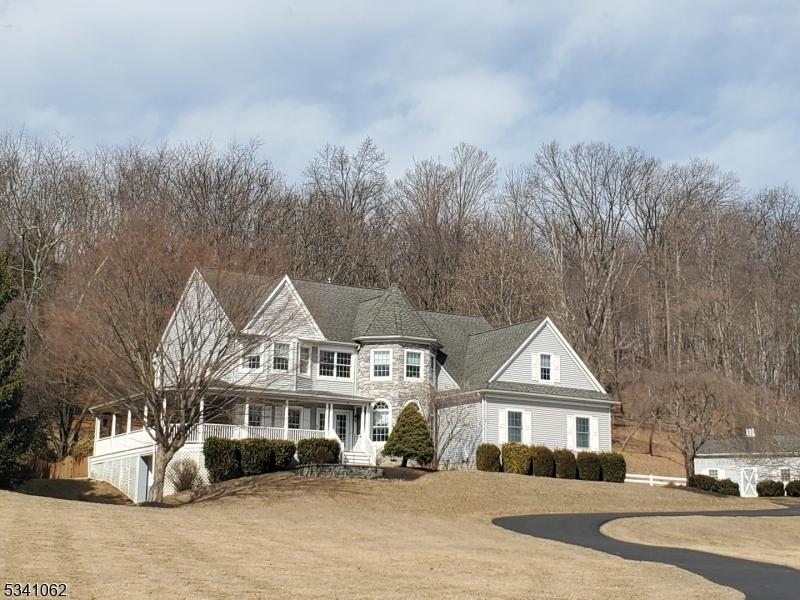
point(547, 340)
point(284, 316)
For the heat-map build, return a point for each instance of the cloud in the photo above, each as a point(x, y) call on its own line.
point(716, 79)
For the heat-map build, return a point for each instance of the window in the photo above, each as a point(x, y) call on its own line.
point(136, 422)
point(334, 364)
point(514, 426)
point(786, 475)
point(305, 360)
point(280, 357)
point(380, 422)
point(381, 364)
point(582, 432)
point(254, 415)
point(713, 473)
point(105, 425)
point(252, 361)
point(413, 364)
point(122, 424)
point(294, 418)
point(321, 420)
point(544, 367)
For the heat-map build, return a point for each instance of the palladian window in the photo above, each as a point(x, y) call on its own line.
point(380, 421)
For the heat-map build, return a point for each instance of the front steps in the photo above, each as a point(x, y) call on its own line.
point(354, 457)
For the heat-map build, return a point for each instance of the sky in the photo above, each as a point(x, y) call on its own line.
point(679, 79)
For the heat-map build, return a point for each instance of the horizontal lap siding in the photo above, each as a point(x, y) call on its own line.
point(768, 468)
point(548, 420)
point(520, 370)
point(461, 425)
point(444, 381)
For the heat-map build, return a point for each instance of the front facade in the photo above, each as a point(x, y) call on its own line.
point(347, 360)
point(747, 460)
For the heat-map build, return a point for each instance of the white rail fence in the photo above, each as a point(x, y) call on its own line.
point(654, 480)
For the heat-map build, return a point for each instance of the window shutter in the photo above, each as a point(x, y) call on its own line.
point(571, 432)
point(555, 364)
point(502, 426)
point(594, 434)
point(526, 427)
point(535, 370)
point(305, 419)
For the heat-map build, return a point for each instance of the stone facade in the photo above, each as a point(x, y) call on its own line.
point(399, 390)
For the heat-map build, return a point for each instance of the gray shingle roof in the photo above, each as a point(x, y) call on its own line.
point(334, 307)
point(774, 444)
point(453, 333)
point(390, 315)
point(488, 351)
point(547, 390)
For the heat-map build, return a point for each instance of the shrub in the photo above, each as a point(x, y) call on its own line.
point(612, 466)
point(566, 465)
point(222, 459)
point(183, 474)
point(702, 482)
point(793, 488)
point(319, 451)
point(487, 458)
point(726, 487)
point(589, 466)
point(283, 453)
point(410, 438)
point(82, 449)
point(257, 456)
point(769, 488)
point(516, 458)
point(542, 462)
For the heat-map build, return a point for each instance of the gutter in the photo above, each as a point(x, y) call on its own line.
point(487, 391)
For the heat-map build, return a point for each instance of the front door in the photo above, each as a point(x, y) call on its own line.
point(145, 467)
point(748, 482)
point(343, 426)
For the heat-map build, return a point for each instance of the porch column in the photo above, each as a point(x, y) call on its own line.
point(246, 414)
point(329, 418)
point(286, 420)
point(128, 427)
point(113, 424)
point(97, 428)
point(201, 420)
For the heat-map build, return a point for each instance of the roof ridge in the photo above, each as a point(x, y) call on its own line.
point(345, 285)
point(382, 302)
point(449, 314)
point(507, 326)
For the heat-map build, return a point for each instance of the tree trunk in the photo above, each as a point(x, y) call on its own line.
point(161, 459)
point(688, 463)
point(405, 462)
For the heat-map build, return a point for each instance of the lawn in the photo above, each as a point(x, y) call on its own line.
point(282, 535)
point(767, 539)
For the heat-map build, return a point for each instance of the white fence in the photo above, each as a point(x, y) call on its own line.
point(654, 480)
point(235, 432)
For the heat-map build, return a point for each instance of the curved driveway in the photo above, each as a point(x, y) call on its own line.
point(755, 579)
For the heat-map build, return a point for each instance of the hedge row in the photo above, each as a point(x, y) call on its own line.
point(540, 461)
point(229, 459)
point(319, 451)
point(793, 489)
point(770, 488)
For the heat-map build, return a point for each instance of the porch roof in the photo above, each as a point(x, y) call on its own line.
point(276, 394)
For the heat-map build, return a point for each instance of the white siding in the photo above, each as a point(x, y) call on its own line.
point(549, 421)
point(283, 318)
point(459, 429)
point(444, 381)
point(731, 467)
point(521, 369)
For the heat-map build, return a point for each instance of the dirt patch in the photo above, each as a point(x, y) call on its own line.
point(665, 459)
point(84, 490)
point(741, 537)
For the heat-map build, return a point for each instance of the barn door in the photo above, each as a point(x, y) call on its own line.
point(748, 482)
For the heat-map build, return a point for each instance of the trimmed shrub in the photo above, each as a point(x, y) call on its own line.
point(726, 487)
point(410, 438)
point(81, 449)
point(182, 474)
point(793, 488)
point(589, 466)
point(516, 458)
point(702, 482)
point(487, 458)
point(257, 456)
point(613, 467)
point(283, 452)
point(542, 462)
point(222, 459)
point(319, 451)
point(566, 465)
point(769, 488)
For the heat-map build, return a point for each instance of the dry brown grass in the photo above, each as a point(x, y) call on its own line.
point(665, 460)
point(281, 535)
point(765, 539)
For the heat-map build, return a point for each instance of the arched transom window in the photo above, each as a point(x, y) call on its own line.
point(380, 421)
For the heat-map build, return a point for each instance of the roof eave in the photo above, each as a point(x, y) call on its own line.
point(487, 391)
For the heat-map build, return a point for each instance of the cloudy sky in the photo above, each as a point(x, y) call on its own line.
point(718, 80)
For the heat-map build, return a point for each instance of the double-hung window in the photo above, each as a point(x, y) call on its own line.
point(294, 418)
point(254, 415)
point(413, 364)
point(381, 364)
point(514, 426)
point(713, 473)
point(582, 433)
point(251, 361)
point(334, 364)
point(380, 421)
point(544, 367)
point(280, 357)
point(305, 360)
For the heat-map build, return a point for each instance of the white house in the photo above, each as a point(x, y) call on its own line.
point(354, 358)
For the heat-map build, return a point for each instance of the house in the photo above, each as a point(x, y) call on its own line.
point(353, 357)
point(747, 459)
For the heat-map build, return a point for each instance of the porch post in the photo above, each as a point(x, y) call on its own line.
point(128, 424)
point(201, 420)
point(97, 428)
point(113, 424)
point(328, 418)
point(286, 420)
point(246, 414)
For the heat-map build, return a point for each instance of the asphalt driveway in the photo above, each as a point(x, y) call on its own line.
point(755, 579)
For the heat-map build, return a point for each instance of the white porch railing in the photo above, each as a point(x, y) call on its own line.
point(654, 480)
point(237, 432)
